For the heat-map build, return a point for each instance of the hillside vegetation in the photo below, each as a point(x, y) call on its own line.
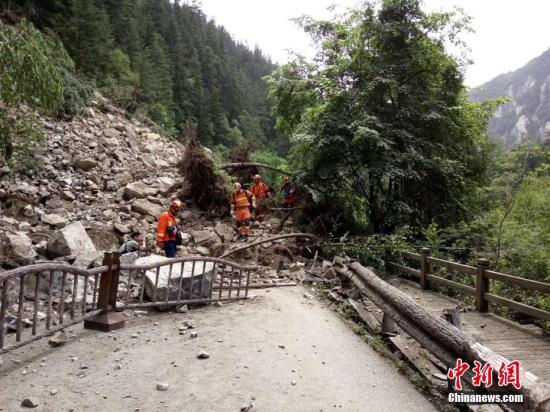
point(163, 59)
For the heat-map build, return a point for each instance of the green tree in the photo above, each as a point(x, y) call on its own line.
point(381, 132)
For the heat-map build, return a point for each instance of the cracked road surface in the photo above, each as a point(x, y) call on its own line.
point(281, 351)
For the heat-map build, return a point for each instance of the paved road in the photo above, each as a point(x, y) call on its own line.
point(323, 366)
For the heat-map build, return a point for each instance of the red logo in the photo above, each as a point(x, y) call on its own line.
point(508, 374)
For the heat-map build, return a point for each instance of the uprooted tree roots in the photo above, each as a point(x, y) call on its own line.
point(204, 185)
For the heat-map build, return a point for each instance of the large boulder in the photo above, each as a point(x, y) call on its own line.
point(16, 248)
point(71, 240)
point(167, 185)
point(207, 238)
point(200, 276)
point(224, 231)
point(123, 178)
point(138, 190)
point(87, 260)
point(54, 220)
point(103, 237)
point(146, 208)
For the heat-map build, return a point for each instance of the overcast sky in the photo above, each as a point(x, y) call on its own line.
point(509, 33)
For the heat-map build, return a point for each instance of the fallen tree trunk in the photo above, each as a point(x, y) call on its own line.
point(442, 339)
point(272, 239)
point(252, 164)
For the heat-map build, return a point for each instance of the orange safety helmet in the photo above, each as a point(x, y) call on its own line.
point(256, 177)
point(176, 204)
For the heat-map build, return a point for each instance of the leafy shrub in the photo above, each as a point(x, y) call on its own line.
point(29, 75)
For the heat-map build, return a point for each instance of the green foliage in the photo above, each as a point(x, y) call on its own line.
point(273, 178)
point(29, 75)
point(512, 225)
point(380, 119)
point(167, 60)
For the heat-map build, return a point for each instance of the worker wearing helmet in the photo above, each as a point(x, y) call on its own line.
point(167, 229)
point(261, 191)
point(288, 189)
point(241, 200)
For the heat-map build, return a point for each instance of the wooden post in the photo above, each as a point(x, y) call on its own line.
point(107, 320)
point(482, 285)
point(115, 274)
point(425, 252)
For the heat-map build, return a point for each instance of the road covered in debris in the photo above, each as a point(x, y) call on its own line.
point(281, 351)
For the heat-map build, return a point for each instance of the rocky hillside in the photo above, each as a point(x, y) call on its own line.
point(528, 114)
point(94, 180)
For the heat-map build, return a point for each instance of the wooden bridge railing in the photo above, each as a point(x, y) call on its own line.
point(482, 276)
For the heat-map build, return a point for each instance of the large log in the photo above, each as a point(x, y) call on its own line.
point(252, 164)
point(442, 339)
point(268, 240)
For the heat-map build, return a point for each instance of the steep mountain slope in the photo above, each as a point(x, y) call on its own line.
point(528, 114)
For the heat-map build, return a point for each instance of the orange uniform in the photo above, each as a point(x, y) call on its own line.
point(166, 227)
point(261, 190)
point(240, 202)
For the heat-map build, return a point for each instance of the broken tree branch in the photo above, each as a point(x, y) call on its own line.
point(272, 239)
point(252, 164)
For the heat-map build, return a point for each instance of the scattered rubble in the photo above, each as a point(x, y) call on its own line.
point(58, 339)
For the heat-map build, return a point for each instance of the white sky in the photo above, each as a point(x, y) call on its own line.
point(509, 33)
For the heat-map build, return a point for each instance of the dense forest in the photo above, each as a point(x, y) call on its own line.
point(387, 150)
point(165, 59)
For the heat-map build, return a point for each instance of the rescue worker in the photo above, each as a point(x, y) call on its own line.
point(241, 200)
point(262, 192)
point(167, 229)
point(132, 245)
point(288, 189)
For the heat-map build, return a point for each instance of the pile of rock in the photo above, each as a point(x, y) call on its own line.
point(95, 180)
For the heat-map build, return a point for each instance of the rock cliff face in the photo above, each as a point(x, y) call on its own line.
point(528, 114)
point(93, 180)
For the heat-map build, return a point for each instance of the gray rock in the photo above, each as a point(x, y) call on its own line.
point(162, 386)
point(68, 195)
point(146, 208)
point(203, 355)
point(30, 403)
point(202, 275)
point(8, 221)
point(86, 260)
point(54, 220)
point(84, 164)
point(182, 309)
point(111, 133)
point(166, 185)
point(138, 190)
point(224, 231)
point(194, 334)
point(121, 229)
point(58, 339)
point(103, 237)
point(207, 238)
point(16, 248)
point(123, 178)
point(71, 240)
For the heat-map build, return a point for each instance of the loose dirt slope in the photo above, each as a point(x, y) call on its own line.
point(281, 351)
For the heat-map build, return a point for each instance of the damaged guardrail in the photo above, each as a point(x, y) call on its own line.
point(442, 339)
point(39, 300)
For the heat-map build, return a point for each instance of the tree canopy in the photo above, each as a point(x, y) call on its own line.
point(383, 133)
